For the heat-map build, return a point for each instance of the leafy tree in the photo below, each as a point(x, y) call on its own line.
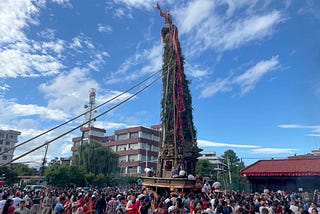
point(204, 168)
point(65, 175)
point(232, 177)
point(97, 159)
point(9, 176)
point(54, 162)
point(89, 177)
point(99, 179)
point(23, 170)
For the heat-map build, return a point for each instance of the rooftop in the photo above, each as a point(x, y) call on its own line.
point(284, 167)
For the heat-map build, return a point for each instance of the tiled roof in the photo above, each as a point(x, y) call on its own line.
point(284, 167)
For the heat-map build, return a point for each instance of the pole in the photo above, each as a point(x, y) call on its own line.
point(146, 155)
point(230, 181)
point(44, 160)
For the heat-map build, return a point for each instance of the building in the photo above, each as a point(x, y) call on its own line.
point(219, 165)
point(137, 147)
point(8, 139)
point(291, 174)
point(89, 134)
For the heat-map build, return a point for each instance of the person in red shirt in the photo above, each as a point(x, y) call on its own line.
point(132, 208)
point(67, 206)
point(8, 207)
point(191, 204)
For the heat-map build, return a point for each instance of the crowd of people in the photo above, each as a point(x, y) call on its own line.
point(115, 200)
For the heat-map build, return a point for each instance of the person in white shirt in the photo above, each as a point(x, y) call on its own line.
point(294, 207)
point(16, 199)
point(3, 201)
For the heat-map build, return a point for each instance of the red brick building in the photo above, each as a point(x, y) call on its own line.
point(137, 147)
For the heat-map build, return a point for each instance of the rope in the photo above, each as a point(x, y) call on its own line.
point(74, 118)
point(92, 119)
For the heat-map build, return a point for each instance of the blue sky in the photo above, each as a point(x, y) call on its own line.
point(253, 66)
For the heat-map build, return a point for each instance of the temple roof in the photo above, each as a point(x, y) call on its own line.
point(283, 167)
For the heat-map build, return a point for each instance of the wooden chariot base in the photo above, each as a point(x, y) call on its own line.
point(168, 184)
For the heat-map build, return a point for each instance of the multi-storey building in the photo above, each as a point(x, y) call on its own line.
point(218, 162)
point(89, 134)
point(8, 138)
point(137, 147)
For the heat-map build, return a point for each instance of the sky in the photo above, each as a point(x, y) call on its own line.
point(253, 67)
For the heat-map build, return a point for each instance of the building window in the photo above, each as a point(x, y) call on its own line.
point(133, 158)
point(133, 135)
point(132, 146)
point(122, 159)
point(121, 148)
point(4, 157)
point(146, 136)
point(132, 170)
point(122, 136)
point(7, 143)
point(155, 138)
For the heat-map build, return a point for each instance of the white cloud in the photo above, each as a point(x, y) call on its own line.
point(28, 110)
point(18, 62)
point(219, 85)
point(64, 91)
point(65, 3)
point(268, 151)
point(148, 60)
point(207, 28)
point(204, 143)
point(119, 12)
point(14, 17)
point(4, 87)
point(247, 80)
point(98, 60)
point(20, 56)
point(194, 14)
point(57, 148)
point(142, 4)
point(290, 126)
point(315, 130)
point(104, 28)
point(251, 77)
point(238, 33)
point(47, 33)
point(110, 126)
point(196, 71)
point(14, 112)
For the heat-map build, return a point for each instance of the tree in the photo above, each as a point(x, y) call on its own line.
point(9, 176)
point(232, 175)
point(23, 169)
point(54, 162)
point(97, 159)
point(205, 168)
point(65, 175)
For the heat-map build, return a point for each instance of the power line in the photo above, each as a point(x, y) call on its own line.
point(74, 118)
point(71, 130)
point(92, 119)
